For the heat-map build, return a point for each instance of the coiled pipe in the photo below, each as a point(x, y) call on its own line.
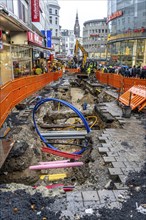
point(42, 101)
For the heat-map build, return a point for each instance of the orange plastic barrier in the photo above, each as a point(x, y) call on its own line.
point(118, 81)
point(135, 97)
point(72, 70)
point(17, 90)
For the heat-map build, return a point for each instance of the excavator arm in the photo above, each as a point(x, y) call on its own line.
point(84, 52)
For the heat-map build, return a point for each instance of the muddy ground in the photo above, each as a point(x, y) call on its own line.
point(23, 201)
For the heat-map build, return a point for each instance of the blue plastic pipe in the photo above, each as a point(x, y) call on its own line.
point(42, 101)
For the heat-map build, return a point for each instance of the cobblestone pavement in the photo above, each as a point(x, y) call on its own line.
point(123, 151)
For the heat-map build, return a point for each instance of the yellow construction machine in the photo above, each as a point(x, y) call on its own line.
point(84, 52)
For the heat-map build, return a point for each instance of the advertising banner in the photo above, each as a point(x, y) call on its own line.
point(48, 35)
point(35, 11)
point(49, 39)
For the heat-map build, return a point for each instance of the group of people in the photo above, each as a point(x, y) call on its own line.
point(39, 69)
point(135, 71)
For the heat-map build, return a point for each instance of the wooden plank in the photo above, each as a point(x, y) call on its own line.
point(5, 148)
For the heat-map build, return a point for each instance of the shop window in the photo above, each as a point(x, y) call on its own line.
point(5, 65)
point(21, 57)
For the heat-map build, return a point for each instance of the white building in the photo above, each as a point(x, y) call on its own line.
point(95, 34)
point(67, 43)
point(53, 8)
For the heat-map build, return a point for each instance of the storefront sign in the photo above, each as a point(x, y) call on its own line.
point(34, 38)
point(35, 11)
point(128, 34)
point(114, 15)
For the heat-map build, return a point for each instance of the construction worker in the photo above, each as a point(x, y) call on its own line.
point(38, 70)
point(88, 71)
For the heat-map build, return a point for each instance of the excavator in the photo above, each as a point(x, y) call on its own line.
point(84, 52)
point(85, 64)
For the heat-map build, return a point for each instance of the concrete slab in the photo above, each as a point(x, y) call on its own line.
point(74, 196)
point(109, 159)
point(106, 195)
point(103, 149)
point(115, 171)
point(90, 196)
point(118, 164)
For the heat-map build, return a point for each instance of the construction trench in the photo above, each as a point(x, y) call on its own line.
point(75, 191)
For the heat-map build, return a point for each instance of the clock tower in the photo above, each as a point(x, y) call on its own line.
point(77, 27)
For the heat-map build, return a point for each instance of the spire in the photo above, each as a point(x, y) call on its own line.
point(77, 26)
point(77, 15)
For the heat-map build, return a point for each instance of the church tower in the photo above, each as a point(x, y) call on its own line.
point(77, 27)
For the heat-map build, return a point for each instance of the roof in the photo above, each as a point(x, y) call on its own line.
point(94, 21)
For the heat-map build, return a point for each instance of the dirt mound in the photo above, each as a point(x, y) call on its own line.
point(20, 205)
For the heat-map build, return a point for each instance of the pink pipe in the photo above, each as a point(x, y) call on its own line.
point(54, 162)
point(53, 166)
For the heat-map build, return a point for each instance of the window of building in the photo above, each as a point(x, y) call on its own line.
point(23, 10)
point(102, 30)
point(56, 12)
point(10, 5)
point(128, 19)
point(50, 10)
point(56, 20)
point(50, 19)
point(123, 20)
point(4, 2)
point(56, 33)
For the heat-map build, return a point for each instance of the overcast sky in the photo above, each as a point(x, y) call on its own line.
point(87, 10)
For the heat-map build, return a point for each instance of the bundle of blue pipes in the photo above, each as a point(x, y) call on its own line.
point(41, 102)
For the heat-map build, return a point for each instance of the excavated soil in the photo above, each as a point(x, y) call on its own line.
point(24, 202)
point(27, 203)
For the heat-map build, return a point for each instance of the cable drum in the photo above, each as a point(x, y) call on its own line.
point(41, 102)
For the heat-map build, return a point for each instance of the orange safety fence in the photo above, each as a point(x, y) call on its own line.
point(75, 70)
point(135, 97)
point(17, 90)
point(118, 81)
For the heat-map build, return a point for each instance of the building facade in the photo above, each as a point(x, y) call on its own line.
point(95, 34)
point(67, 43)
point(53, 8)
point(21, 43)
point(127, 37)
